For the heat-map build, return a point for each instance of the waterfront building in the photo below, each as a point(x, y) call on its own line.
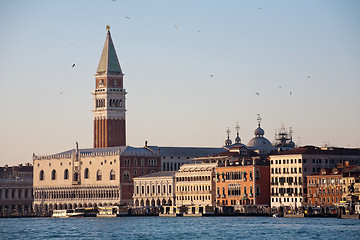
point(243, 183)
point(324, 188)
point(154, 190)
point(242, 177)
point(290, 168)
point(195, 185)
point(350, 183)
point(90, 177)
point(16, 190)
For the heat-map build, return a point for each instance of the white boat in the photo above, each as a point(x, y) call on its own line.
point(275, 215)
point(66, 213)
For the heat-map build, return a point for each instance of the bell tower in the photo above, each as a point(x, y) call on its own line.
point(109, 99)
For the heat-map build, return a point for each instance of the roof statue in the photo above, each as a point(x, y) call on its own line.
point(237, 139)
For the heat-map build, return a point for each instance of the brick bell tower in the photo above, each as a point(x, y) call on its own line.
point(109, 99)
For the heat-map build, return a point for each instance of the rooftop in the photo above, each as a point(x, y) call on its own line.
point(325, 151)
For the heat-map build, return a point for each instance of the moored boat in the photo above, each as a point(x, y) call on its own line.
point(66, 213)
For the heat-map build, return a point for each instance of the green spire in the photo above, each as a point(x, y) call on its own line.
point(109, 63)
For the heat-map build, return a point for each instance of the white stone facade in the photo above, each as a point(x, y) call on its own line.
point(154, 190)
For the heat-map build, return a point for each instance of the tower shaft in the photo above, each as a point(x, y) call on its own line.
point(109, 100)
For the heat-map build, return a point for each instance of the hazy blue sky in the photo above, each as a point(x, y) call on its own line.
point(248, 47)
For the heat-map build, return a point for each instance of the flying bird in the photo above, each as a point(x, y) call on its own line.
point(176, 27)
point(308, 76)
point(211, 75)
point(73, 65)
point(127, 17)
point(290, 93)
point(61, 93)
point(259, 8)
point(257, 94)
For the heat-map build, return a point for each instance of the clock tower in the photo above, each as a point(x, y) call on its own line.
point(109, 99)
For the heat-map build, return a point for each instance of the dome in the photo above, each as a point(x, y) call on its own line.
point(259, 132)
point(237, 139)
point(260, 143)
point(228, 142)
point(292, 144)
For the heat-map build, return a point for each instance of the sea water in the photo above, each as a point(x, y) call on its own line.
point(179, 228)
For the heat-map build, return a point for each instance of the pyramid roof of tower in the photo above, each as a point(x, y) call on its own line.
point(109, 62)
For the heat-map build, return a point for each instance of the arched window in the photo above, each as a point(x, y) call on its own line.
point(98, 175)
point(126, 176)
point(41, 175)
point(66, 174)
point(142, 162)
point(112, 174)
point(86, 173)
point(53, 174)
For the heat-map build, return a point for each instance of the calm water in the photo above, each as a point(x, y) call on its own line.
point(180, 228)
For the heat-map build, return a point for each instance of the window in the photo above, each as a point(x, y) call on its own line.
point(112, 174)
point(126, 176)
point(135, 162)
point(86, 173)
point(66, 174)
point(153, 162)
point(98, 175)
point(53, 174)
point(142, 162)
point(127, 162)
point(76, 177)
point(41, 175)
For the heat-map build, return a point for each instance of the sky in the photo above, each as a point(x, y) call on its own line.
point(192, 69)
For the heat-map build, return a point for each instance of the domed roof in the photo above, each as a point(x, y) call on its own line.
point(238, 139)
point(259, 131)
point(228, 142)
point(260, 143)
